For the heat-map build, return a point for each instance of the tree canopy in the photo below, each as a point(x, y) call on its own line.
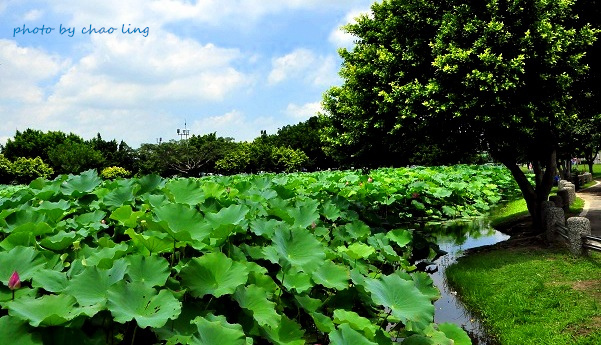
point(490, 75)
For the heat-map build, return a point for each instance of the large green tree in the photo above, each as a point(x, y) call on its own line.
point(495, 75)
point(32, 143)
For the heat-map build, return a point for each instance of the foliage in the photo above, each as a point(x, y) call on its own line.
point(287, 259)
point(287, 159)
point(6, 174)
point(113, 153)
point(33, 143)
point(532, 295)
point(235, 161)
point(75, 157)
point(24, 170)
point(304, 136)
point(191, 157)
point(496, 76)
point(110, 173)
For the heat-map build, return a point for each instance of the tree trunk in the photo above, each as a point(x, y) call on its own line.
point(544, 171)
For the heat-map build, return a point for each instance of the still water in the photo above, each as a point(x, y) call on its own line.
point(455, 239)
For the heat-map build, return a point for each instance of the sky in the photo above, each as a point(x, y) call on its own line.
point(137, 70)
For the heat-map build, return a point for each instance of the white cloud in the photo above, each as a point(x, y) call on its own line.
point(303, 112)
point(33, 15)
point(133, 71)
point(305, 65)
point(342, 39)
point(23, 69)
point(240, 12)
point(237, 125)
point(292, 64)
point(123, 86)
point(215, 12)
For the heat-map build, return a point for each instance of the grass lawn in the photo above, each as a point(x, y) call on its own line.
point(533, 295)
point(596, 169)
point(516, 209)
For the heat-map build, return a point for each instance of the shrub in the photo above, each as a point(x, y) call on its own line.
point(110, 173)
point(24, 170)
point(287, 159)
point(6, 173)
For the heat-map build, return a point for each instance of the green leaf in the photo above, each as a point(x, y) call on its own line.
point(332, 276)
point(400, 236)
point(180, 330)
point(440, 192)
point(418, 205)
point(19, 239)
point(149, 183)
point(255, 300)
point(233, 214)
point(119, 196)
point(181, 222)
point(213, 274)
point(288, 332)
point(299, 248)
point(357, 250)
point(449, 211)
point(218, 331)
point(452, 331)
point(423, 282)
point(126, 216)
point(91, 285)
point(18, 332)
point(264, 227)
point(154, 244)
point(25, 260)
point(151, 270)
point(104, 257)
point(185, 191)
point(81, 184)
point(331, 211)
point(297, 280)
point(345, 335)
point(405, 301)
point(304, 213)
point(357, 230)
point(142, 303)
point(356, 322)
point(27, 217)
point(48, 310)
point(60, 241)
point(50, 280)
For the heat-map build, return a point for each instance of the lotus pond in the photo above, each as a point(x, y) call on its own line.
point(327, 257)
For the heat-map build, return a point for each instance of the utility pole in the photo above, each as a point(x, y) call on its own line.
point(183, 132)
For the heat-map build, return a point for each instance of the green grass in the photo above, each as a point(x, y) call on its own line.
point(586, 185)
point(517, 209)
point(596, 169)
point(508, 212)
point(532, 295)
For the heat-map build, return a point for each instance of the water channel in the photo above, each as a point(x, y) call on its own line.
point(455, 239)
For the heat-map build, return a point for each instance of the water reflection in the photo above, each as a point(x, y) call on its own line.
point(454, 238)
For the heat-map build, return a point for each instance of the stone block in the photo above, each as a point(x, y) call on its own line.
point(577, 226)
point(557, 200)
point(554, 215)
point(544, 210)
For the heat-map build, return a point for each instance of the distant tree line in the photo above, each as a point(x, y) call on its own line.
point(33, 153)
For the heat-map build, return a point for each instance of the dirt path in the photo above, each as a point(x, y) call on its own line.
point(592, 206)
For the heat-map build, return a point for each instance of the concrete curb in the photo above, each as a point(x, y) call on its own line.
point(587, 204)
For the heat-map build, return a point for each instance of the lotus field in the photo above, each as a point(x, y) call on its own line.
point(311, 258)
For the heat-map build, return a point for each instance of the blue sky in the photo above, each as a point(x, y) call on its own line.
point(234, 67)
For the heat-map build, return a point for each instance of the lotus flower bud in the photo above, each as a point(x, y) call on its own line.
point(14, 282)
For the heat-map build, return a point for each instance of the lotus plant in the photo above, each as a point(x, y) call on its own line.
point(14, 282)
